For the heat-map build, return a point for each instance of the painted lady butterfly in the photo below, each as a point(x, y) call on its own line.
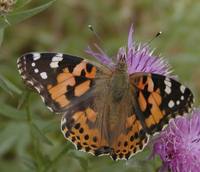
point(104, 111)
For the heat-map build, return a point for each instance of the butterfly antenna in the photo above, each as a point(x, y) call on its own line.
point(95, 33)
point(150, 41)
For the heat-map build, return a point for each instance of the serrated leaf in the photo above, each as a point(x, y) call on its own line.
point(10, 112)
point(17, 17)
point(39, 134)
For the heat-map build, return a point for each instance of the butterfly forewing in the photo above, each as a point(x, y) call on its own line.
point(60, 79)
point(158, 99)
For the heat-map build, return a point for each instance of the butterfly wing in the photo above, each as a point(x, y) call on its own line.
point(131, 141)
point(88, 126)
point(158, 99)
point(60, 79)
point(66, 84)
point(78, 125)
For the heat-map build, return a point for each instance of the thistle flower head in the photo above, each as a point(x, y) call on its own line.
point(6, 6)
point(139, 58)
point(179, 144)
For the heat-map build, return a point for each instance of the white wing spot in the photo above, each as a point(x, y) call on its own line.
point(19, 65)
point(182, 97)
point(33, 64)
point(36, 70)
point(36, 56)
point(167, 82)
point(55, 60)
point(30, 82)
point(58, 57)
point(63, 120)
point(171, 104)
point(182, 88)
point(42, 98)
point(177, 102)
point(167, 79)
point(38, 89)
point(54, 64)
point(50, 108)
point(43, 75)
point(168, 90)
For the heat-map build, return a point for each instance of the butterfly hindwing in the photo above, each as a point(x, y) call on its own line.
point(131, 141)
point(59, 78)
point(158, 99)
point(78, 126)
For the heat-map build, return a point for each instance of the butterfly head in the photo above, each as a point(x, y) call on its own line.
point(121, 63)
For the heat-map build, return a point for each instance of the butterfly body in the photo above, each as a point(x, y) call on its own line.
point(119, 82)
point(114, 103)
point(105, 111)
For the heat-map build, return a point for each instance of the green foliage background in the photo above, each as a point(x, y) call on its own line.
point(30, 137)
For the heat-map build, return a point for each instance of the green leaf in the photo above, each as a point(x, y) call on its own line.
point(52, 126)
point(5, 87)
point(39, 134)
point(11, 135)
point(23, 99)
point(17, 17)
point(28, 162)
point(7, 141)
point(21, 3)
point(9, 87)
point(83, 161)
point(51, 164)
point(1, 36)
point(11, 112)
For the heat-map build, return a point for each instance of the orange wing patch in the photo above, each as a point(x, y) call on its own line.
point(63, 101)
point(83, 67)
point(142, 101)
point(154, 100)
point(82, 88)
point(91, 114)
point(58, 91)
point(67, 80)
point(142, 82)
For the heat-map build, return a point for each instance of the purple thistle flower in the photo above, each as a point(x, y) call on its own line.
point(179, 144)
point(139, 58)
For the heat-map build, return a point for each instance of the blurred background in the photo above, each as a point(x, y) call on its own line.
point(30, 137)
